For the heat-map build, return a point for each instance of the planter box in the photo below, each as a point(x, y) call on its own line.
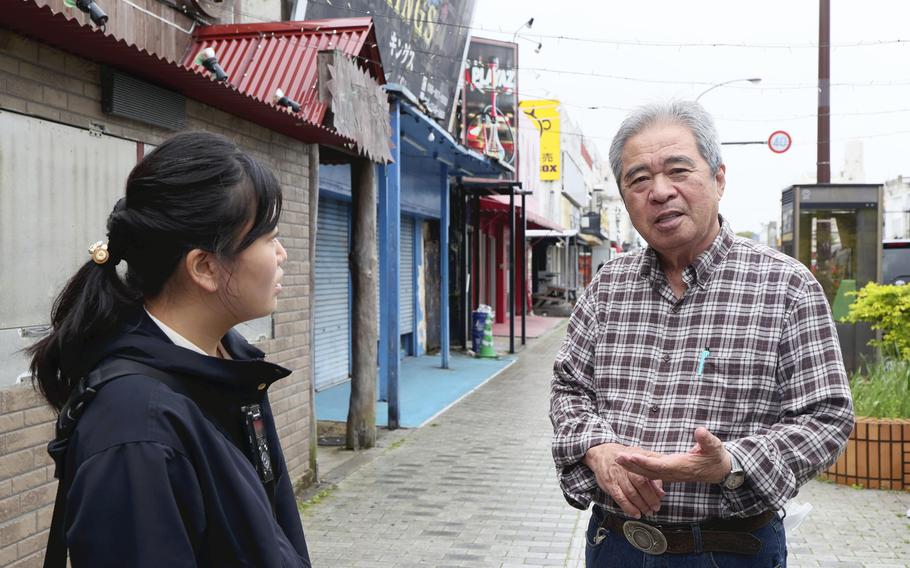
point(877, 455)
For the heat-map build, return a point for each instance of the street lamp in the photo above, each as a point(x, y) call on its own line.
point(527, 24)
point(753, 80)
point(516, 37)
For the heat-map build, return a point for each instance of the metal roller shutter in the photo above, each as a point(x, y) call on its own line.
point(406, 275)
point(333, 283)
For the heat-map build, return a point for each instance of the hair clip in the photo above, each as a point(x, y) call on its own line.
point(99, 252)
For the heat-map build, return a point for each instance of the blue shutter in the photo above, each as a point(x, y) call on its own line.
point(333, 284)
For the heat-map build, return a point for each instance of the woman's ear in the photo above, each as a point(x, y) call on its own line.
point(202, 270)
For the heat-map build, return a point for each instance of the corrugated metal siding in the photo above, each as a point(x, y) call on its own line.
point(333, 315)
point(406, 275)
point(258, 62)
point(57, 187)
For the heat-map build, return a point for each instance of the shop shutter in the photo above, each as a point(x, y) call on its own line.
point(333, 284)
point(406, 276)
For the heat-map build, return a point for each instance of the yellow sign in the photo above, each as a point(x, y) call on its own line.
point(545, 114)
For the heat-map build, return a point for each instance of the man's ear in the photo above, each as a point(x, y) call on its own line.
point(721, 179)
point(202, 269)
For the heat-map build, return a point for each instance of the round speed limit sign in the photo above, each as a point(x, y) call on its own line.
point(779, 142)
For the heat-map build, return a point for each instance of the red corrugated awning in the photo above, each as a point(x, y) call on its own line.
point(59, 30)
point(498, 205)
point(260, 58)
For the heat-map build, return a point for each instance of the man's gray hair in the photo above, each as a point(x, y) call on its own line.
point(685, 113)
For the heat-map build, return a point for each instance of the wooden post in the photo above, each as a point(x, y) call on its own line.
point(314, 217)
point(361, 425)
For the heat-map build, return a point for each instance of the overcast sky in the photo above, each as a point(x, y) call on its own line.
point(870, 96)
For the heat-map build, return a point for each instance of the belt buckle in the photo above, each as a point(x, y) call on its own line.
point(644, 537)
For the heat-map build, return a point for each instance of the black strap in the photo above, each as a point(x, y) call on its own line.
point(84, 392)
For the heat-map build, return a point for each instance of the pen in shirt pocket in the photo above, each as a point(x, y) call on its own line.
point(701, 361)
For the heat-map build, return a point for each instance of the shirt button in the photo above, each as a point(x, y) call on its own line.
point(653, 408)
point(262, 386)
point(666, 358)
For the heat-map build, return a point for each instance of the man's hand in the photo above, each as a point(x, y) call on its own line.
point(635, 494)
point(707, 461)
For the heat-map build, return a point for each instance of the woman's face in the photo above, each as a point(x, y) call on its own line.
point(254, 281)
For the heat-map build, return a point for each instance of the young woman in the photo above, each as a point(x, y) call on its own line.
point(176, 462)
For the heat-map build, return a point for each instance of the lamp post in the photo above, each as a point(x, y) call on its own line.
point(527, 24)
point(753, 80)
point(516, 37)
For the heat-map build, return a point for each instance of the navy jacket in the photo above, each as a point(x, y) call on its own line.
point(156, 482)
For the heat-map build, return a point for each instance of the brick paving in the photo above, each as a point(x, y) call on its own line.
point(477, 488)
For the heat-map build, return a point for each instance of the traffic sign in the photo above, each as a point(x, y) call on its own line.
point(779, 142)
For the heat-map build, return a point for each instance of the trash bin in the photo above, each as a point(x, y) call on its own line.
point(478, 322)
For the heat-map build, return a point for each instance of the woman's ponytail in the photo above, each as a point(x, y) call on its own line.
point(90, 305)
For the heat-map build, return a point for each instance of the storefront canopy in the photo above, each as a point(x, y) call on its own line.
point(424, 137)
point(262, 57)
point(64, 32)
point(498, 204)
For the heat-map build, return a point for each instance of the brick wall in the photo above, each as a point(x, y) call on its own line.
point(43, 82)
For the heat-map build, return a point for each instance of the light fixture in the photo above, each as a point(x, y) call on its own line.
point(282, 100)
point(431, 136)
point(207, 59)
point(527, 24)
point(97, 15)
point(753, 80)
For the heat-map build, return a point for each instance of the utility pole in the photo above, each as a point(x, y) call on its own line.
point(823, 163)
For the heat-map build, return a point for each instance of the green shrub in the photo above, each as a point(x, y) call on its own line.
point(887, 308)
point(883, 391)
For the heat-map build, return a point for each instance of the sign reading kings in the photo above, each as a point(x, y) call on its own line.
point(421, 42)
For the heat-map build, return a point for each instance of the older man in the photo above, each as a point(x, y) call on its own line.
point(700, 383)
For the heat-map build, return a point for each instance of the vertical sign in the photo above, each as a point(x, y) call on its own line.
point(421, 42)
point(545, 114)
point(490, 98)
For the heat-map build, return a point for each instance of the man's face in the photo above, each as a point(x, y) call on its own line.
point(669, 191)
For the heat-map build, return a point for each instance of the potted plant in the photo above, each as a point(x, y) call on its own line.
point(878, 451)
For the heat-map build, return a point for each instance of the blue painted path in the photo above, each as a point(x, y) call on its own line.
point(426, 389)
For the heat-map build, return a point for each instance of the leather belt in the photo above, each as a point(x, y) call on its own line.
point(717, 535)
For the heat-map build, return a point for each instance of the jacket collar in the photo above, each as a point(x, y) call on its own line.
point(142, 340)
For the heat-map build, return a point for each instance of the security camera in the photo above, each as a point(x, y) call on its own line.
point(207, 59)
point(95, 13)
point(283, 100)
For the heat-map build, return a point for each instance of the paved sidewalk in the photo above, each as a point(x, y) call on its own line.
point(476, 487)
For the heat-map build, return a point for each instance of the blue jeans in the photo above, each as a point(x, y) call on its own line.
point(615, 551)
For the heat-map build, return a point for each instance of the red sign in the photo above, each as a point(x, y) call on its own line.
point(779, 142)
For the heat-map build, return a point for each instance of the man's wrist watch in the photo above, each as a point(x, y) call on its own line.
point(736, 477)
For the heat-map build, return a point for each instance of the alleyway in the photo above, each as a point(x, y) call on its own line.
point(477, 488)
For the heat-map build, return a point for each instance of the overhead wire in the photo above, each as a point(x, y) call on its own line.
point(764, 87)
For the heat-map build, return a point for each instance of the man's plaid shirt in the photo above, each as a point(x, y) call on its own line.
point(773, 387)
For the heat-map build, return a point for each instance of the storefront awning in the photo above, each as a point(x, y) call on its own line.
point(590, 240)
point(498, 204)
point(425, 138)
point(262, 57)
point(551, 234)
point(60, 30)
